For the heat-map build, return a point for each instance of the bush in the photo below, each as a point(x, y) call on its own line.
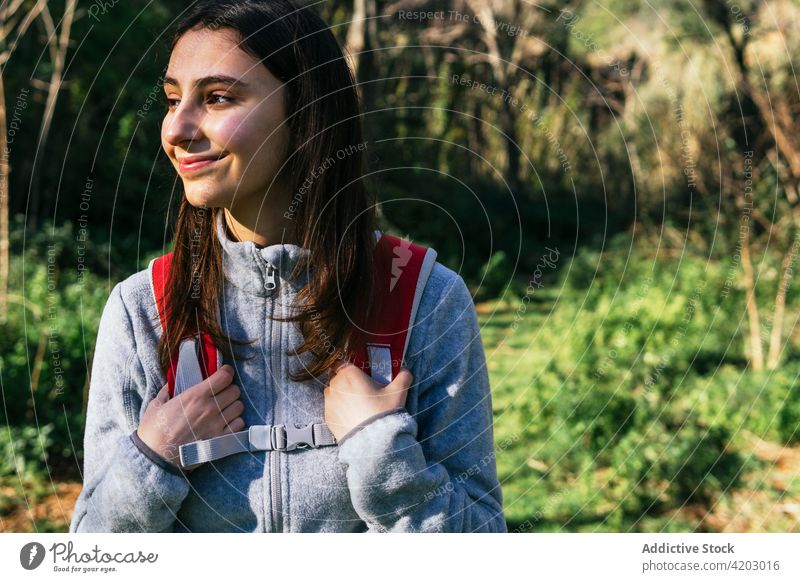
point(24, 451)
point(496, 278)
point(47, 341)
point(631, 394)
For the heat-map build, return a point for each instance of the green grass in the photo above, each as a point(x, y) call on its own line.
point(568, 462)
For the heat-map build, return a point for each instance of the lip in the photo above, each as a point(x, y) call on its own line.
point(189, 164)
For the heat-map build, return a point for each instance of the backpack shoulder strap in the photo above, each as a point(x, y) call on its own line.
point(197, 357)
point(402, 269)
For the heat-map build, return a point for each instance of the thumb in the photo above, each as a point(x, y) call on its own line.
point(404, 379)
point(163, 395)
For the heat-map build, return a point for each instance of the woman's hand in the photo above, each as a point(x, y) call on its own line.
point(352, 396)
point(206, 410)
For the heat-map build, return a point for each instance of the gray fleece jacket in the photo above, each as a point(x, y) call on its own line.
point(426, 467)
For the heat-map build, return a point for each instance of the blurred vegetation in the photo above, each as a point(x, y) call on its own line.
point(621, 196)
point(625, 396)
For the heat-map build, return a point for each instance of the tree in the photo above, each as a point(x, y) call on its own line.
point(15, 19)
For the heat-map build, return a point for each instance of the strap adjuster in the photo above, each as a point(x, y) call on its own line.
point(277, 437)
point(290, 437)
point(259, 437)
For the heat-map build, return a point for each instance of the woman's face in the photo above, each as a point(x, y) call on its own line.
point(224, 130)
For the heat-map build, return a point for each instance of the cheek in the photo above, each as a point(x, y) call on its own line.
point(233, 133)
point(253, 138)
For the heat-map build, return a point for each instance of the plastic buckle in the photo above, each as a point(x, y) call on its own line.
point(299, 436)
point(287, 437)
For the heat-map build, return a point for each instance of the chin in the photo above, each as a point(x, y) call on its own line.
point(199, 197)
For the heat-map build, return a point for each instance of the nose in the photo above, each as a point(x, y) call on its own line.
point(183, 125)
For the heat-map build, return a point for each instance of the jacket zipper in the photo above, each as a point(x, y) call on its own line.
point(275, 456)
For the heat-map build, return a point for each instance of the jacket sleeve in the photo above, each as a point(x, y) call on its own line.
point(435, 471)
point(124, 488)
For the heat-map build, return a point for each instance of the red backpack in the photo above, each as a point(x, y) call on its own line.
point(401, 268)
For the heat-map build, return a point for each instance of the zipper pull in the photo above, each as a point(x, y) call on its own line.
point(270, 278)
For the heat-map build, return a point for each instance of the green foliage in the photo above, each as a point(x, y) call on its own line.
point(498, 275)
point(623, 388)
point(47, 341)
point(629, 395)
point(24, 451)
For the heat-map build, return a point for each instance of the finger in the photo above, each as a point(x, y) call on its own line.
point(236, 425)
point(340, 366)
point(403, 380)
point(227, 396)
point(163, 395)
point(232, 411)
point(218, 381)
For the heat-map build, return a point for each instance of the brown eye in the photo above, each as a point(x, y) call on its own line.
point(218, 99)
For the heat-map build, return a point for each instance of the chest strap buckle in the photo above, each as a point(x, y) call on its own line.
point(288, 437)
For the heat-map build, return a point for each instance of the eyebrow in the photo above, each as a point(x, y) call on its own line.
point(210, 80)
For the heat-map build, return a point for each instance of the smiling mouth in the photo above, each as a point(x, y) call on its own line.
point(189, 167)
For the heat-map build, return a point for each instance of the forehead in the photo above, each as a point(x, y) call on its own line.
point(203, 52)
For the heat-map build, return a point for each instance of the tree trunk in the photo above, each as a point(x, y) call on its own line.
point(512, 148)
point(356, 33)
point(4, 203)
point(58, 52)
point(780, 126)
point(787, 269)
point(756, 351)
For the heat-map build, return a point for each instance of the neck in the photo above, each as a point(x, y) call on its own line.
point(262, 224)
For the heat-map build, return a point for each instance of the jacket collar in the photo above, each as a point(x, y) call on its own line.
point(245, 265)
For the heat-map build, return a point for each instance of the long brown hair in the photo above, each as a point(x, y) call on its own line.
point(336, 217)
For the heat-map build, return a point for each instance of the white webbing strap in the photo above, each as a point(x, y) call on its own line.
point(380, 362)
point(188, 372)
point(214, 448)
point(262, 437)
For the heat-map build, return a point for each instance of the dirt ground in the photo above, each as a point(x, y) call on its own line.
point(50, 513)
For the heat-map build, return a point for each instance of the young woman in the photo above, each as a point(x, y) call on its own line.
point(273, 253)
